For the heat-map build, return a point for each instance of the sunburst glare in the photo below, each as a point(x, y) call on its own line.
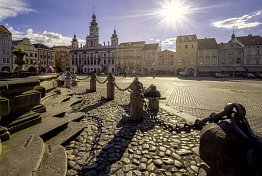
point(173, 13)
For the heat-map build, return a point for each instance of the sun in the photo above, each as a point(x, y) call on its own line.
point(173, 12)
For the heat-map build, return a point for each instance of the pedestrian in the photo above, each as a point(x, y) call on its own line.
point(125, 74)
point(62, 78)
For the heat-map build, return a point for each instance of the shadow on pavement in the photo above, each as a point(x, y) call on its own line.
point(116, 147)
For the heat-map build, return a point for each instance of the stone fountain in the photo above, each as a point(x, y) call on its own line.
point(20, 61)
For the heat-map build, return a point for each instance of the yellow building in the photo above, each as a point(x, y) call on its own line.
point(150, 54)
point(31, 58)
point(63, 60)
point(129, 57)
point(186, 49)
point(166, 62)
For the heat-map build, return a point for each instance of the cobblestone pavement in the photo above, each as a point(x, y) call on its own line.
point(107, 146)
point(110, 146)
point(200, 98)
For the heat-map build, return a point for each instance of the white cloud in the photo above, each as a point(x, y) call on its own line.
point(11, 8)
point(169, 43)
point(45, 37)
point(246, 21)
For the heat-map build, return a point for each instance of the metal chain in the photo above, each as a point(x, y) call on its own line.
point(120, 88)
point(199, 124)
point(84, 78)
point(100, 81)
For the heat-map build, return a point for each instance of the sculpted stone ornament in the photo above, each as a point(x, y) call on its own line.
point(153, 96)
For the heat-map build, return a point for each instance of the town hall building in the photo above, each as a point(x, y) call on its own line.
point(92, 56)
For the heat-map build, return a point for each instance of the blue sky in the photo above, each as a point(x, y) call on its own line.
point(53, 22)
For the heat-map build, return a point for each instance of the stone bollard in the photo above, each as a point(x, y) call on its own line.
point(136, 101)
point(223, 151)
point(93, 83)
point(110, 87)
point(153, 96)
point(68, 80)
point(74, 80)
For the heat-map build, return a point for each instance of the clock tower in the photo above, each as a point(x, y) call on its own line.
point(92, 40)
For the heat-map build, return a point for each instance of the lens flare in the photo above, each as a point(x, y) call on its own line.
point(174, 12)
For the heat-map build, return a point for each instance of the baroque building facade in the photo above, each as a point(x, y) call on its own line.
point(186, 49)
point(31, 57)
point(207, 57)
point(252, 52)
point(5, 49)
point(92, 56)
point(46, 57)
point(166, 62)
point(129, 57)
point(150, 55)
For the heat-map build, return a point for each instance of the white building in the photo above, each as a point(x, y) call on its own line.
point(94, 57)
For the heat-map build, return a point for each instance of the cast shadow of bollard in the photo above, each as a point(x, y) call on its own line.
point(116, 147)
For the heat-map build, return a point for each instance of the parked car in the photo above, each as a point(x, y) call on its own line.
point(249, 75)
point(259, 75)
point(183, 74)
point(221, 75)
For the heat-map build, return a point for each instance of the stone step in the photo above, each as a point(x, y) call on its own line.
point(24, 121)
point(23, 156)
point(54, 161)
point(73, 130)
point(52, 125)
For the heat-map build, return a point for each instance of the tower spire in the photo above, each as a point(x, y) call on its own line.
point(233, 35)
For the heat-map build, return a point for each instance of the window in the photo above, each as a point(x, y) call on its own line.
point(113, 61)
point(214, 60)
point(238, 60)
point(172, 63)
point(192, 46)
point(35, 54)
point(223, 61)
point(185, 46)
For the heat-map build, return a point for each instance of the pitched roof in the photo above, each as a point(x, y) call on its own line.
point(207, 43)
point(186, 38)
point(152, 46)
point(221, 45)
point(4, 30)
point(132, 43)
point(40, 45)
point(250, 40)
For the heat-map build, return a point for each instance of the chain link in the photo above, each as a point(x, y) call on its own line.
point(84, 78)
point(122, 89)
point(100, 81)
